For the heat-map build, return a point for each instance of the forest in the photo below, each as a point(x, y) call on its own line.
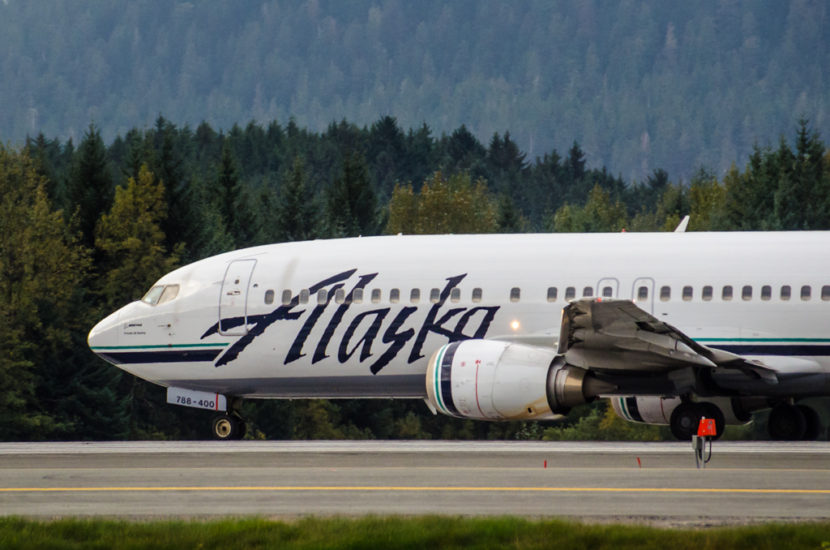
point(641, 84)
point(88, 227)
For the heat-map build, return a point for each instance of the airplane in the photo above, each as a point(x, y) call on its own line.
point(671, 327)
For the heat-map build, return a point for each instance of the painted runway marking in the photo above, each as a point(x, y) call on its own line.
point(339, 488)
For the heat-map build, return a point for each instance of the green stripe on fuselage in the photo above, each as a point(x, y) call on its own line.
point(162, 346)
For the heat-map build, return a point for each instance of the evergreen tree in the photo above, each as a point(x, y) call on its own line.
point(801, 200)
point(386, 151)
point(227, 190)
point(351, 208)
point(42, 268)
point(90, 185)
point(132, 241)
point(296, 212)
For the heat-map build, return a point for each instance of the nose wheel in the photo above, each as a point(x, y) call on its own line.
point(228, 427)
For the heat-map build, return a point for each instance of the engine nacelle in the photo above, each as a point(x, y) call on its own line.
point(493, 380)
point(658, 410)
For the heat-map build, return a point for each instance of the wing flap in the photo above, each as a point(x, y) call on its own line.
point(614, 335)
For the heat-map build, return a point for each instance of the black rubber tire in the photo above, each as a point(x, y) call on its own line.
point(812, 428)
point(224, 427)
point(684, 421)
point(786, 423)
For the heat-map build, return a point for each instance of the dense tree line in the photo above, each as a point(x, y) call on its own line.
point(88, 228)
point(641, 84)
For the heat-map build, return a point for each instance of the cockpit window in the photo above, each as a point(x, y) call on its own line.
point(161, 294)
point(170, 293)
point(152, 297)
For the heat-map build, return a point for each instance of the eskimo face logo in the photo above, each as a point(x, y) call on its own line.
point(366, 331)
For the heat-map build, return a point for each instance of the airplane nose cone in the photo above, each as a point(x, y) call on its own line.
point(104, 335)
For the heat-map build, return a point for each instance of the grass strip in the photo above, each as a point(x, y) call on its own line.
point(396, 532)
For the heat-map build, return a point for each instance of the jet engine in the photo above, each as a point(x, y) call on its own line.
point(494, 380)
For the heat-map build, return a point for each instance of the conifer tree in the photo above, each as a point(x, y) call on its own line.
point(90, 185)
point(42, 268)
point(351, 207)
point(132, 241)
point(295, 211)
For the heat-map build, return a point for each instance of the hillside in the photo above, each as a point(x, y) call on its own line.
point(640, 85)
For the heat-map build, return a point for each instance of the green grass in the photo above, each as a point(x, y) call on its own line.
point(396, 532)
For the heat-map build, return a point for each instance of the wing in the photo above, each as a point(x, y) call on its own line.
point(615, 335)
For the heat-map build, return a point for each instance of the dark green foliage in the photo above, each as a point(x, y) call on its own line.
point(272, 183)
point(351, 205)
point(295, 216)
point(91, 187)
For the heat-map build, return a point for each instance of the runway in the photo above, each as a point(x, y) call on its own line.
point(744, 482)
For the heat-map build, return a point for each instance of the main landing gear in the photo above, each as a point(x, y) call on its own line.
point(229, 426)
point(685, 419)
point(790, 422)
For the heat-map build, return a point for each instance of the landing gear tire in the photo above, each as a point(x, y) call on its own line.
point(685, 419)
point(225, 427)
point(812, 427)
point(787, 423)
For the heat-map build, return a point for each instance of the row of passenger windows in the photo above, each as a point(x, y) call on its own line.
point(375, 296)
point(687, 293)
point(727, 292)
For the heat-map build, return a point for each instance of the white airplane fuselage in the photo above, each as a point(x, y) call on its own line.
point(281, 337)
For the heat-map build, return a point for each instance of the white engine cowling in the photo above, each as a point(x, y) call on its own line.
point(658, 410)
point(493, 380)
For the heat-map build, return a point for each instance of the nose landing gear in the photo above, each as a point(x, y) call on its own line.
point(225, 427)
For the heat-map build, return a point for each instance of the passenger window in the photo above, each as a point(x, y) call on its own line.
point(357, 296)
point(607, 292)
point(434, 295)
point(286, 297)
point(746, 292)
point(552, 294)
point(707, 293)
point(339, 295)
point(825, 292)
point(415, 295)
point(570, 293)
point(269, 297)
point(322, 296)
point(394, 295)
point(805, 292)
point(642, 293)
point(587, 292)
point(476, 294)
point(726, 294)
point(515, 294)
point(786, 292)
point(766, 292)
point(665, 293)
point(688, 293)
point(153, 295)
point(170, 293)
point(375, 295)
point(455, 294)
